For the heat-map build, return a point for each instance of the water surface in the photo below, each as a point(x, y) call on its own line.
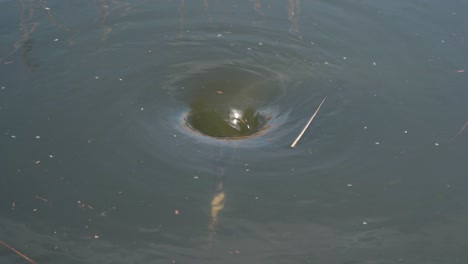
point(98, 165)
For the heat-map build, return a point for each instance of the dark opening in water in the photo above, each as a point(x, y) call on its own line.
point(232, 123)
point(229, 101)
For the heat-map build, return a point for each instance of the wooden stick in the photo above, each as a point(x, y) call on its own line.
point(308, 123)
point(17, 252)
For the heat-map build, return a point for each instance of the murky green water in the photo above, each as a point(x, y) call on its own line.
point(160, 132)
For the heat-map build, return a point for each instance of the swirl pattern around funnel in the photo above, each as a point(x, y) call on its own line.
point(229, 101)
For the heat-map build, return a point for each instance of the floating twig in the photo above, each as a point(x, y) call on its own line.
point(459, 132)
point(42, 199)
point(17, 252)
point(308, 123)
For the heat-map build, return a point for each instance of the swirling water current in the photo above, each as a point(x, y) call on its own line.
point(98, 165)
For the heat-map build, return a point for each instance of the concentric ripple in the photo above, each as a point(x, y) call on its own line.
point(228, 100)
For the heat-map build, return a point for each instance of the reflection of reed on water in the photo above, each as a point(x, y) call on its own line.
point(258, 8)
point(29, 23)
point(182, 17)
point(217, 202)
point(294, 9)
point(27, 47)
point(106, 8)
point(206, 5)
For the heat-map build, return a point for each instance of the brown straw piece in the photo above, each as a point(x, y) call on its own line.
point(308, 123)
point(17, 252)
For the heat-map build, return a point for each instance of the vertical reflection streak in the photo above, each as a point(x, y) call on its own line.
point(105, 9)
point(182, 17)
point(260, 13)
point(219, 197)
point(294, 9)
point(28, 23)
point(206, 5)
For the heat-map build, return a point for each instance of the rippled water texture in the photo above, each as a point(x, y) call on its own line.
point(160, 131)
point(229, 102)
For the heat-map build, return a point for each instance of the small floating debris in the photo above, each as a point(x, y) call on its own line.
point(460, 131)
point(308, 123)
point(42, 199)
point(18, 253)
